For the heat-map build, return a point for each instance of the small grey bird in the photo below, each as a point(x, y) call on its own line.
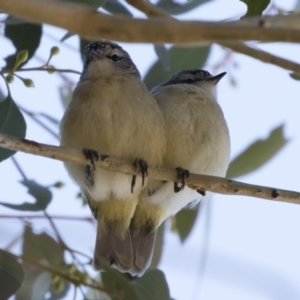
point(197, 140)
point(113, 113)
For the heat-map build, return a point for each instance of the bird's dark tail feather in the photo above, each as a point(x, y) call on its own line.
point(143, 244)
point(112, 250)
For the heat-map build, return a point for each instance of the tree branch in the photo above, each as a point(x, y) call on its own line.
point(151, 10)
point(91, 24)
point(195, 181)
point(262, 55)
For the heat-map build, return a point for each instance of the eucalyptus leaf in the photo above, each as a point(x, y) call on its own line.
point(12, 123)
point(185, 220)
point(181, 58)
point(118, 286)
point(2, 97)
point(295, 76)
point(158, 246)
point(95, 3)
point(297, 6)
point(116, 7)
point(257, 154)
point(162, 54)
point(175, 8)
point(13, 20)
point(24, 36)
point(153, 286)
point(43, 249)
point(42, 196)
point(27, 289)
point(82, 44)
point(11, 274)
point(255, 7)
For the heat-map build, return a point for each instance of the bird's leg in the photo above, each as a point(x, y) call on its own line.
point(182, 174)
point(93, 156)
point(144, 169)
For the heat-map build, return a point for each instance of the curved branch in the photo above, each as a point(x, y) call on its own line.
point(262, 55)
point(195, 181)
point(151, 10)
point(91, 24)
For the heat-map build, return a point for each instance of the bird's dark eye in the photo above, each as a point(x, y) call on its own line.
point(115, 57)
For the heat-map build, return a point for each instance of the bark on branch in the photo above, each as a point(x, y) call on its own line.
point(91, 24)
point(195, 181)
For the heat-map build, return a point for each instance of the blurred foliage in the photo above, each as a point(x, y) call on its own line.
point(11, 274)
point(29, 279)
point(257, 154)
point(12, 122)
point(255, 8)
point(184, 222)
point(24, 36)
point(41, 194)
point(180, 58)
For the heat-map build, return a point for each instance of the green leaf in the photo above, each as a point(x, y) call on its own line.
point(118, 286)
point(35, 284)
point(12, 122)
point(257, 154)
point(174, 8)
point(295, 76)
point(116, 7)
point(185, 220)
point(95, 3)
point(82, 44)
point(182, 58)
point(42, 247)
point(41, 194)
point(297, 6)
point(153, 286)
point(163, 55)
point(11, 274)
point(13, 20)
point(255, 7)
point(158, 247)
point(24, 36)
point(2, 98)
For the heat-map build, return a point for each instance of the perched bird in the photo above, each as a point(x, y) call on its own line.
point(197, 140)
point(112, 112)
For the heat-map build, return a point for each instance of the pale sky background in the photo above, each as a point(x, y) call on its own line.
point(253, 249)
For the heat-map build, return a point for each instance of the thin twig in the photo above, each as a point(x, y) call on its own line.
point(262, 56)
point(195, 181)
point(42, 124)
point(41, 266)
point(151, 10)
point(47, 69)
point(19, 168)
point(61, 218)
point(92, 25)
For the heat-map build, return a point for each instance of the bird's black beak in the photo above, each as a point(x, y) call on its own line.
point(97, 54)
point(217, 78)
